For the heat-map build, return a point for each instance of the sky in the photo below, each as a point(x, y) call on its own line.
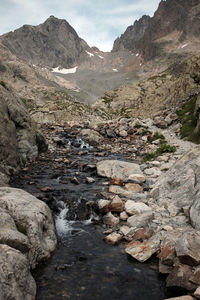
point(98, 22)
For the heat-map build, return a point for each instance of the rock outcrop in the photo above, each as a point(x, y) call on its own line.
point(20, 141)
point(16, 281)
point(27, 237)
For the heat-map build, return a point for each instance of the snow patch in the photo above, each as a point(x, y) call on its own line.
point(100, 56)
point(64, 71)
point(115, 70)
point(90, 54)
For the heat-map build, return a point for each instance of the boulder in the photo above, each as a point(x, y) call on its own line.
point(16, 281)
point(141, 220)
point(117, 169)
point(113, 238)
point(187, 248)
point(180, 277)
point(126, 194)
point(34, 222)
point(143, 251)
point(91, 136)
point(136, 208)
point(110, 219)
point(116, 204)
point(181, 184)
point(134, 187)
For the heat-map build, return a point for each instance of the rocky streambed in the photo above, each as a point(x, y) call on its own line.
point(99, 193)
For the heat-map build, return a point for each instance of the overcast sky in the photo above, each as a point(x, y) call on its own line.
point(99, 22)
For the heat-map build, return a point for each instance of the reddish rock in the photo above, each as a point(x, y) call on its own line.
point(142, 251)
point(167, 255)
point(143, 234)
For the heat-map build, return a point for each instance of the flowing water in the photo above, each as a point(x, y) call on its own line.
point(84, 267)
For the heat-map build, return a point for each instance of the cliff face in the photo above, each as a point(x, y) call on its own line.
point(52, 43)
point(144, 36)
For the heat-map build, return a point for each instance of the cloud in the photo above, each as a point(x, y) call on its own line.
point(98, 22)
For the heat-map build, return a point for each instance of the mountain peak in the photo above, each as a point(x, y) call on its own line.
point(52, 43)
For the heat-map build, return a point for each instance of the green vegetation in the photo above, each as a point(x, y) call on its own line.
point(21, 228)
point(186, 115)
point(28, 103)
point(137, 125)
point(157, 136)
point(163, 148)
point(145, 132)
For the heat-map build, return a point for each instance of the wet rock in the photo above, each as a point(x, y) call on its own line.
point(46, 189)
point(141, 220)
point(91, 136)
point(180, 277)
point(117, 169)
point(90, 180)
point(113, 238)
point(142, 251)
point(34, 219)
point(134, 187)
point(127, 194)
point(136, 208)
point(116, 204)
point(110, 219)
point(74, 180)
point(187, 248)
point(16, 280)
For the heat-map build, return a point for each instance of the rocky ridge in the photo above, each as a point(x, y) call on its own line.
point(151, 37)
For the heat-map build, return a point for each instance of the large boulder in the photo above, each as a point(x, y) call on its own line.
point(117, 169)
point(27, 224)
point(16, 281)
point(180, 185)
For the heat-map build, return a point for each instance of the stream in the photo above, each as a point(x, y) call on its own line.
point(84, 267)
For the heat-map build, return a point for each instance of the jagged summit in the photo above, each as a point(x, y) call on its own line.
point(173, 23)
point(52, 43)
